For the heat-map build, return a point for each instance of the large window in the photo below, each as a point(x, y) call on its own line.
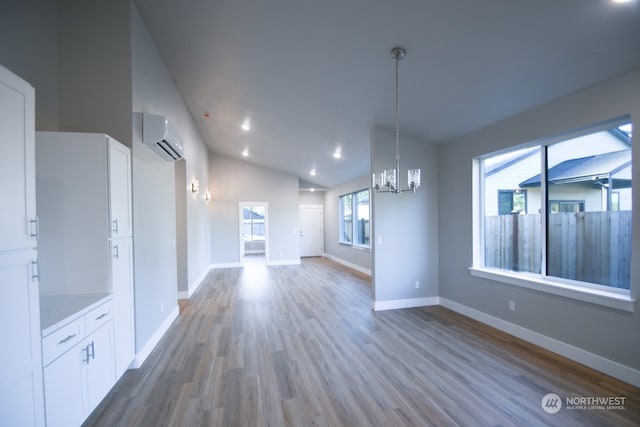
point(566, 215)
point(354, 218)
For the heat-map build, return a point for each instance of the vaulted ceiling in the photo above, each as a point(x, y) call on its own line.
point(313, 76)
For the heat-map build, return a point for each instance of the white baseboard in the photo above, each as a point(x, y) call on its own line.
point(599, 363)
point(403, 303)
point(226, 265)
point(348, 264)
point(284, 262)
point(142, 355)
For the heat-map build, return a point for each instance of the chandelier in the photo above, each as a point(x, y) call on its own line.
point(387, 180)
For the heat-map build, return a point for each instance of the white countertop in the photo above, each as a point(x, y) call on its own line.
point(57, 310)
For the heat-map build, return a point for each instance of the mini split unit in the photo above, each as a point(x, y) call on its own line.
point(161, 137)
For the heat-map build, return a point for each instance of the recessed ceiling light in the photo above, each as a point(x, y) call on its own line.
point(313, 172)
point(337, 154)
point(622, 1)
point(312, 189)
point(246, 125)
point(245, 152)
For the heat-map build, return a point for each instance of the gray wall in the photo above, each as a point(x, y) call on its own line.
point(182, 245)
point(352, 255)
point(94, 67)
point(606, 332)
point(233, 181)
point(156, 192)
point(311, 198)
point(29, 48)
point(406, 223)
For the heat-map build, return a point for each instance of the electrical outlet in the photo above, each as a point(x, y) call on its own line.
point(512, 305)
point(417, 284)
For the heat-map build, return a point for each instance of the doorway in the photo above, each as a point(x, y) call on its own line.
point(254, 230)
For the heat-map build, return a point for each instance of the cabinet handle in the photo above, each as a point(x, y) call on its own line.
point(115, 225)
point(103, 315)
point(116, 252)
point(35, 270)
point(34, 228)
point(91, 354)
point(67, 339)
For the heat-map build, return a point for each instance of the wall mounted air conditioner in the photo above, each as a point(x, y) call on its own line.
point(161, 137)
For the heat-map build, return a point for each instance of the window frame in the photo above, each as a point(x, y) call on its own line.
point(583, 291)
point(354, 219)
point(341, 220)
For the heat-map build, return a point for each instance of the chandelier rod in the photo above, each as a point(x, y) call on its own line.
point(397, 53)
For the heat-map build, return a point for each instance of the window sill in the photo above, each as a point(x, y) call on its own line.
point(594, 296)
point(356, 246)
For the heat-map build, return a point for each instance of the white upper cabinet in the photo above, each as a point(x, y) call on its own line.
point(84, 201)
point(120, 189)
point(18, 227)
point(21, 392)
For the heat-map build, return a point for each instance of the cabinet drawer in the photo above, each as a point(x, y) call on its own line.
point(98, 317)
point(61, 340)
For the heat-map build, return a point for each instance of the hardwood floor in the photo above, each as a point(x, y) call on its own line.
point(300, 346)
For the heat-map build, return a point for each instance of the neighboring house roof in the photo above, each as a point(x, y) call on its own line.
point(592, 169)
point(510, 161)
point(254, 215)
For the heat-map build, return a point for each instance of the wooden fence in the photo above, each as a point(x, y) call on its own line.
point(592, 247)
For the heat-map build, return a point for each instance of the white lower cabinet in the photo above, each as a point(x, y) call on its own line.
point(64, 389)
point(79, 367)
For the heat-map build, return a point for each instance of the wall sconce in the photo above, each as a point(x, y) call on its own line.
point(207, 197)
point(195, 186)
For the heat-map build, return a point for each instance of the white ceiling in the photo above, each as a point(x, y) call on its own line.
point(314, 75)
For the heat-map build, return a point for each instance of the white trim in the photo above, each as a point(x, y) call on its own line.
point(284, 262)
point(404, 303)
point(196, 283)
point(226, 265)
point(610, 299)
point(594, 361)
point(142, 355)
point(348, 264)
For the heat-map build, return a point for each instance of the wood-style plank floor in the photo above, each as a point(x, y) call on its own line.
point(300, 346)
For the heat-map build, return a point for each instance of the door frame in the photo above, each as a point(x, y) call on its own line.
point(241, 206)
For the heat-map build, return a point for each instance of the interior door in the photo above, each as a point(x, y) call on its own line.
point(311, 230)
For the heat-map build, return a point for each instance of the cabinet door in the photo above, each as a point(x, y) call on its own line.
point(100, 369)
point(120, 189)
point(65, 389)
point(122, 282)
point(17, 163)
point(21, 395)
